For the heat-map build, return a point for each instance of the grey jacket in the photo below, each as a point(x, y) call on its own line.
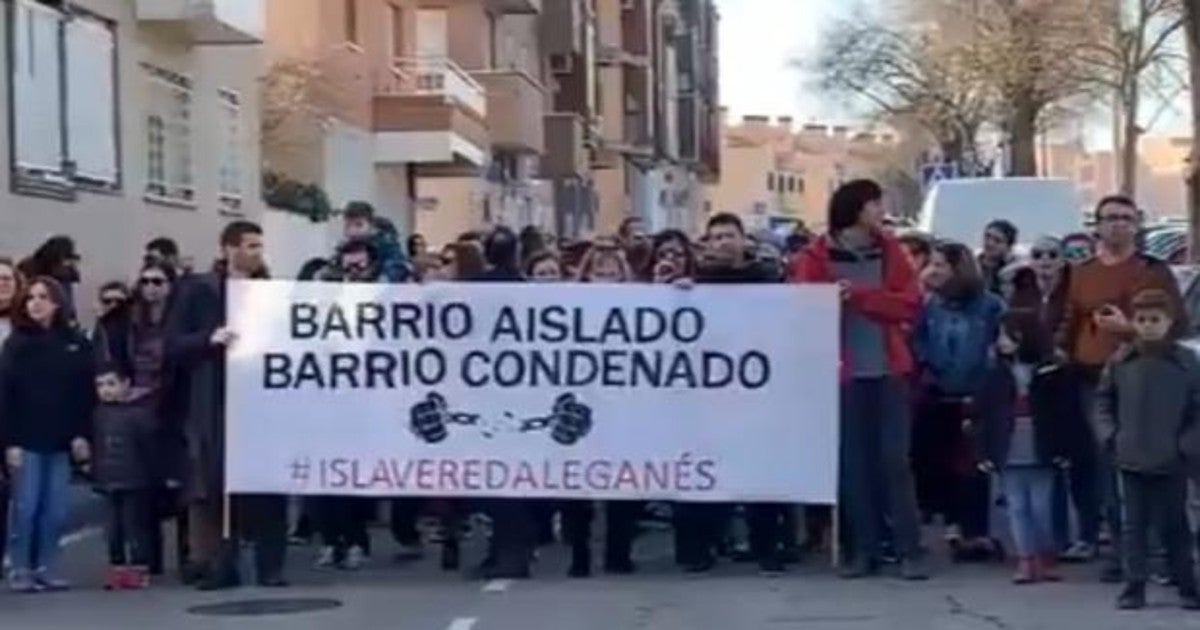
point(1148, 409)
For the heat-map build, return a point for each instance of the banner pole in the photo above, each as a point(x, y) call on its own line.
point(226, 517)
point(835, 535)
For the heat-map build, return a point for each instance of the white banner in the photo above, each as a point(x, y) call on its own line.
point(571, 390)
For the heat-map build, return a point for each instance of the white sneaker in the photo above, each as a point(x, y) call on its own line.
point(325, 558)
point(953, 534)
point(355, 559)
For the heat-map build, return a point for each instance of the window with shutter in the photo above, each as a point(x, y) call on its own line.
point(169, 173)
point(91, 100)
point(229, 178)
point(37, 91)
point(63, 100)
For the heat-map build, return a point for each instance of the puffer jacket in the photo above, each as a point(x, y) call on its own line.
point(125, 445)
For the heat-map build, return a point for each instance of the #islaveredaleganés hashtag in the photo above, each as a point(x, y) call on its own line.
point(301, 470)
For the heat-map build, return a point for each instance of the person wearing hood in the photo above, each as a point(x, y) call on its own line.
point(56, 258)
point(1148, 421)
point(880, 301)
point(196, 343)
point(362, 223)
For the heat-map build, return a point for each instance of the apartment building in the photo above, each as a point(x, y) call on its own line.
point(1161, 171)
point(127, 120)
point(659, 111)
point(776, 173)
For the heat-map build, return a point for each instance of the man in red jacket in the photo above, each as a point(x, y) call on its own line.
point(880, 299)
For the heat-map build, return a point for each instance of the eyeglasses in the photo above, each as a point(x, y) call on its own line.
point(1044, 254)
point(1118, 218)
point(152, 282)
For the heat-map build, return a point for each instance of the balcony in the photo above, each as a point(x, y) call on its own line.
point(515, 104)
point(428, 111)
point(562, 27)
point(566, 146)
point(516, 6)
point(221, 22)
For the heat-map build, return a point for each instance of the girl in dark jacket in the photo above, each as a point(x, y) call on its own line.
point(1021, 437)
point(46, 399)
point(10, 292)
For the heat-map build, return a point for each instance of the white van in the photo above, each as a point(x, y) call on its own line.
point(960, 209)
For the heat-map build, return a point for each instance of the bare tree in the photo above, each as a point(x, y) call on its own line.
point(897, 72)
point(1134, 57)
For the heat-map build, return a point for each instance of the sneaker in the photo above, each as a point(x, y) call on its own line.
point(1079, 551)
point(953, 534)
point(136, 578)
point(1026, 571)
point(1133, 597)
point(355, 559)
point(21, 581)
point(48, 582)
point(326, 557)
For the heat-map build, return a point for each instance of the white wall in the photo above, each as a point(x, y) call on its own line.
point(349, 162)
point(291, 240)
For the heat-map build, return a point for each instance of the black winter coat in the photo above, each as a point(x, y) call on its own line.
point(1050, 396)
point(126, 443)
point(46, 389)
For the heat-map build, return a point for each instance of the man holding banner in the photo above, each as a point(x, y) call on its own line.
point(880, 299)
point(196, 343)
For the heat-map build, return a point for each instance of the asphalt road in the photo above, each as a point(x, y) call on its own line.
point(417, 596)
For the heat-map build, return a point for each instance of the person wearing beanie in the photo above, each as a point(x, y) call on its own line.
point(1147, 420)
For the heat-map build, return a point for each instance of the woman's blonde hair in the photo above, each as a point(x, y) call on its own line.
point(602, 249)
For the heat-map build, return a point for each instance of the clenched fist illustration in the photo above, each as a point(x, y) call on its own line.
point(428, 419)
point(572, 420)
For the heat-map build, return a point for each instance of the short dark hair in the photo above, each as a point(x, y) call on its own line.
point(918, 242)
point(1006, 230)
point(359, 246)
point(358, 210)
point(104, 368)
point(725, 218)
point(233, 233)
point(1153, 300)
point(626, 225)
point(1120, 200)
point(165, 246)
point(848, 202)
point(113, 285)
point(538, 258)
point(501, 248)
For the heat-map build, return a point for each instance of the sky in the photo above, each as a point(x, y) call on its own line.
point(759, 39)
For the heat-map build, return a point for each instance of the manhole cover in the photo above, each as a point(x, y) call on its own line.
point(263, 607)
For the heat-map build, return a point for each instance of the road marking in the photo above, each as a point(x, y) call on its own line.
point(80, 535)
point(497, 586)
point(462, 623)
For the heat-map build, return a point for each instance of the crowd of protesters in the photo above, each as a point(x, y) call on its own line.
point(964, 378)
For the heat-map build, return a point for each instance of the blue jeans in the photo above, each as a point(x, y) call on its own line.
point(876, 476)
point(1029, 491)
point(39, 509)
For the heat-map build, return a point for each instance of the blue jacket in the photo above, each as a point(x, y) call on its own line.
point(952, 341)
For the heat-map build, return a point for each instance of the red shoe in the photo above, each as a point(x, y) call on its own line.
point(137, 578)
point(115, 579)
point(1047, 568)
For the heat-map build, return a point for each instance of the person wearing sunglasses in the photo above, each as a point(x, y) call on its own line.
point(111, 297)
point(131, 334)
point(1095, 323)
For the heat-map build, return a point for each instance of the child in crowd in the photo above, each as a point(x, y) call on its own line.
point(124, 471)
point(1147, 408)
point(361, 223)
point(1020, 437)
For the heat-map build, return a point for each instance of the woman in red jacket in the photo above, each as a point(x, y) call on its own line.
point(880, 300)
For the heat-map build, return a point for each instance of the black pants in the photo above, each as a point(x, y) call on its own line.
point(404, 516)
point(620, 525)
point(767, 523)
point(513, 533)
point(166, 507)
point(127, 528)
point(342, 521)
point(1156, 501)
point(4, 499)
point(698, 528)
point(262, 519)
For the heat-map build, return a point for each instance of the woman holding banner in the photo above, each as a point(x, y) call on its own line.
point(605, 263)
point(880, 301)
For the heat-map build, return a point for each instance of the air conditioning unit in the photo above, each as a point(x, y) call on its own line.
point(561, 64)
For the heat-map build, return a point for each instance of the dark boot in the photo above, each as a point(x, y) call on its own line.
point(858, 568)
point(222, 574)
point(581, 562)
point(450, 555)
point(1112, 573)
point(1133, 597)
point(1189, 599)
